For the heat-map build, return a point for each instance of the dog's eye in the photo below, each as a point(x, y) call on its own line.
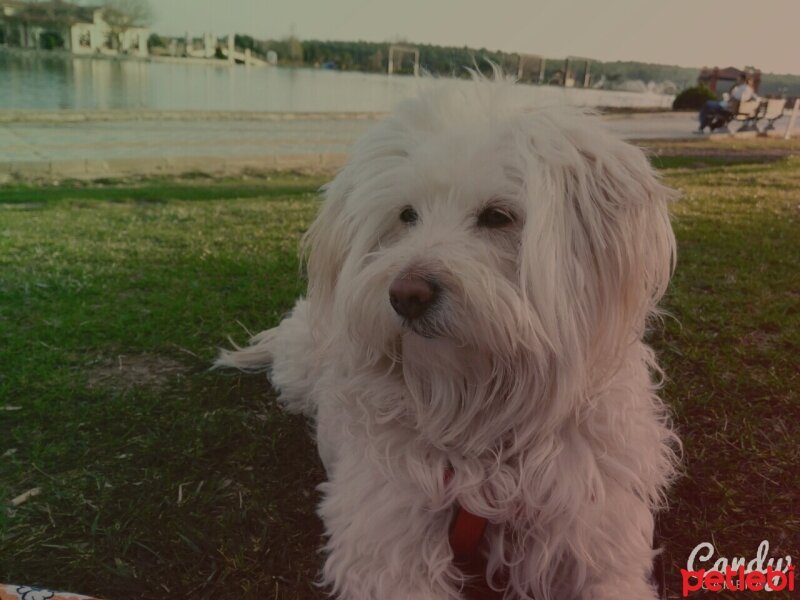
point(494, 218)
point(409, 215)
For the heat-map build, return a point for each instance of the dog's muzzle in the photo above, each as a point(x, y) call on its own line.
point(412, 296)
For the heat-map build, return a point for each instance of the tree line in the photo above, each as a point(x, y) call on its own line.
point(452, 61)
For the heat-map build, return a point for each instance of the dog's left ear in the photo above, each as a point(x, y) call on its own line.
point(612, 247)
point(622, 209)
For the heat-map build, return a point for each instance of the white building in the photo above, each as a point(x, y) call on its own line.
point(99, 36)
point(60, 25)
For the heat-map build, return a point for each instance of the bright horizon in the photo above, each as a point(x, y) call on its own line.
point(679, 32)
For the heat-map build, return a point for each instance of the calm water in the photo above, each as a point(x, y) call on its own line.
point(35, 82)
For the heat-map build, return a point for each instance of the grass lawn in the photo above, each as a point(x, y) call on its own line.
point(157, 478)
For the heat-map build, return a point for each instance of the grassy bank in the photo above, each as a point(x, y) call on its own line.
point(158, 478)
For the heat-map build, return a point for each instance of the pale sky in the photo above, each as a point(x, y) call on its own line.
point(693, 33)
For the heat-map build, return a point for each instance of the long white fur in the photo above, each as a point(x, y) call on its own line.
point(536, 385)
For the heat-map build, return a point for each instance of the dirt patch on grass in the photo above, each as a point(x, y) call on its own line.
point(762, 154)
point(758, 149)
point(150, 370)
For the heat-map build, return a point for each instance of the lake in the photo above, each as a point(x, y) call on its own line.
point(36, 81)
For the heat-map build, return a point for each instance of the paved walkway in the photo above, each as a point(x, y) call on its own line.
point(96, 144)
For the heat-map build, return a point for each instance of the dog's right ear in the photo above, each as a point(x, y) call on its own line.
point(326, 244)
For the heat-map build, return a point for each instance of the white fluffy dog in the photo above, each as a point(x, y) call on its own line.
point(480, 279)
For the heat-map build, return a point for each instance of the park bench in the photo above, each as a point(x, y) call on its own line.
point(773, 111)
point(750, 113)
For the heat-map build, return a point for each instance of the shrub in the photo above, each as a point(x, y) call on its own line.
point(693, 98)
point(51, 40)
point(156, 41)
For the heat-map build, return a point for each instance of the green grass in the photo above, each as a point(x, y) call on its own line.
point(159, 478)
point(92, 279)
point(731, 354)
point(154, 191)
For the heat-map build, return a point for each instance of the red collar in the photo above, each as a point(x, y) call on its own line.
point(466, 533)
point(466, 530)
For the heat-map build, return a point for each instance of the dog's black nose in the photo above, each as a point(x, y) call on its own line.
point(411, 296)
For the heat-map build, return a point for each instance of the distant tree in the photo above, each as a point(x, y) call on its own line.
point(51, 40)
point(245, 42)
point(156, 41)
point(454, 62)
point(780, 85)
point(122, 15)
point(377, 60)
point(295, 50)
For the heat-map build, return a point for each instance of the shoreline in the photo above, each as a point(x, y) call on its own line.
point(217, 166)
point(125, 114)
point(150, 58)
point(214, 166)
point(44, 116)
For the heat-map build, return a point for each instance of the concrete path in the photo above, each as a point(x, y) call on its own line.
point(91, 145)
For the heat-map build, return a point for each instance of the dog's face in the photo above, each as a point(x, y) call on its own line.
point(483, 249)
point(441, 261)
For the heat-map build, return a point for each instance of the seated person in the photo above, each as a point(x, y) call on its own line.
point(741, 92)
